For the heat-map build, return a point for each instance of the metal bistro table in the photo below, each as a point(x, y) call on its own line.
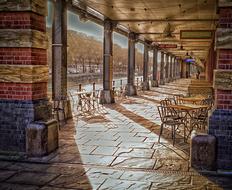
point(190, 110)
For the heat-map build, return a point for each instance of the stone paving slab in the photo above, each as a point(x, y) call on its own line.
point(131, 162)
point(4, 174)
point(123, 184)
point(117, 149)
point(10, 186)
point(31, 178)
point(135, 152)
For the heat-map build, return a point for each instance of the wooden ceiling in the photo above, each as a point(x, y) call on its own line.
point(161, 21)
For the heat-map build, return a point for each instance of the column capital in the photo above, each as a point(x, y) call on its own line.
point(109, 25)
point(133, 36)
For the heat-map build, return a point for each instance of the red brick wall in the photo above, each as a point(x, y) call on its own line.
point(20, 91)
point(23, 56)
point(225, 18)
point(224, 99)
point(224, 59)
point(22, 20)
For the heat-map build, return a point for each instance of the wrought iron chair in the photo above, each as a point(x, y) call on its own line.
point(209, 102)
point(199, 118)
point(177, 98)
point(166, 102)
point(96, 98)
point(171, 118)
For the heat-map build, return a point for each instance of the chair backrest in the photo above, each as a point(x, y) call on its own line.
point(166, 113)
point(177, 98)
point(165, 102)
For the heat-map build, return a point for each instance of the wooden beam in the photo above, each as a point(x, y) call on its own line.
point(23, 73)
point(167, 20)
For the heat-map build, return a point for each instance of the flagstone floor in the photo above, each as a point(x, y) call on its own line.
point(115, 148)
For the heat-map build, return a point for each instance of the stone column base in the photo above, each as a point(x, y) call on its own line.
point(171, 79)
point(167, 80)
point(59, 106)
point(41, 138)
point(68, 110)
point(131, 90)
point(162, 82)
point(154, 83)
point(203, 152)
point(220, 125)
point(145, 85)
point(107, 97)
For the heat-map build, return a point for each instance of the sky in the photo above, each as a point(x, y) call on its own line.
point(91, 29)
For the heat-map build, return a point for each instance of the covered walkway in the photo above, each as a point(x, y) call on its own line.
point(116, 149)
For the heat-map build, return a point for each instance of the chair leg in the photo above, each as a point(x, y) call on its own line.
point(174, 135)
point(161, 131)
point(184, 132)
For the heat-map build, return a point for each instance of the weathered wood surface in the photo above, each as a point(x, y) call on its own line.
point(23, 38)
point(23, 73)
point(223, 38)
point(223, 79)
point(224, 3)
point(195, 90)
point(37, 6)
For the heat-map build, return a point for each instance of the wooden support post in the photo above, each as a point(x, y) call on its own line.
point(145, 84)
point(130, 87)
point(107, 95)
point(154, 81)
point(162, 82)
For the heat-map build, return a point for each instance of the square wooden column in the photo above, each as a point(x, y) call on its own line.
point(145, 68)
point(174, 68)
point(220, 120)
point(154, 82)
point(59, 56)
point(171, 68)
point(162, 82)
point(167, 68)
point(59, 51)
point(107, 95)
point(130, 87)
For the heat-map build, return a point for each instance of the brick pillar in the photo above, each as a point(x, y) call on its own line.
point(24, 77)
point(220, 120)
